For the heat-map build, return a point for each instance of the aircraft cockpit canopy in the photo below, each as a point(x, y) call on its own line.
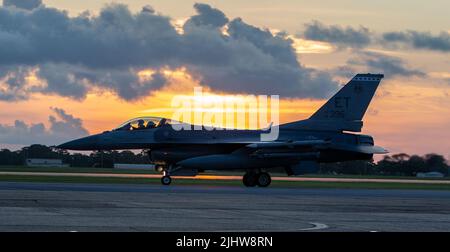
point(142, 123)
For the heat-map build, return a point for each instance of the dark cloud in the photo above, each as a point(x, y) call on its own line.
point(341, 36)
point(115, 38)
point(62, 80)
point(255, 61)
point(388, 65)
point(23, 4)
point(67, 125)
point(206, 15)
point(148, 8)
point(74, 54)
point(12, 83)
point(344, 71)
point(63, 127)
point(74, 81)
point(419, 40)
point(126, 83)
point(349, 37)
point(278, 46)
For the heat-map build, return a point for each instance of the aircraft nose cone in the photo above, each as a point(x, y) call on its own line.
point(85, 143)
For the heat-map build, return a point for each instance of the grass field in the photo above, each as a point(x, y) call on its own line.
point(279, 184)
point(151, 171)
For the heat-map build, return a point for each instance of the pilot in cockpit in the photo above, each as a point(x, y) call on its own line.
point(150, 125)
point(140, 125)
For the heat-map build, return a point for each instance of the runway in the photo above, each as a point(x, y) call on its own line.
point(108, 207)
point(227, 177)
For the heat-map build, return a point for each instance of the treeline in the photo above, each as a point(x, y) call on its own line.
point(393, 165)
point(396, 165)
point(104, 159)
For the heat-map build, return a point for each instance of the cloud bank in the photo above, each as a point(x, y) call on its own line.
point(341, 36)
point(22, 4)
point(357, 38)
point(389, 65)
point(419, 40)
point(72, 55)
point(63, 127)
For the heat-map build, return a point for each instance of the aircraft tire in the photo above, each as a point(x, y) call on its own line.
point(166, 180)
point(263, 179)
point(249, 179)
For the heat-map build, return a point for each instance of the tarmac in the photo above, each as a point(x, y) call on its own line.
point(121, 207)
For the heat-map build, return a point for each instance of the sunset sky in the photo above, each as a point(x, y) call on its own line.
point(71, 68)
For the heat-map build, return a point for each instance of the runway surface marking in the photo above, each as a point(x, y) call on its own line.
point(317, 226)
point(221, 177)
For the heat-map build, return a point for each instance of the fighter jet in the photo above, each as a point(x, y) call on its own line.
point(300, 147)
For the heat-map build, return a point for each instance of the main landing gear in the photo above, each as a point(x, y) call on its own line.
point(261, 179)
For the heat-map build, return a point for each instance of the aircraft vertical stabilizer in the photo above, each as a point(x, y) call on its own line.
point(345, 110)
point(351, 102)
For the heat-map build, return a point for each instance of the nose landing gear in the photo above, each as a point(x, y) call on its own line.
point(166, 171)
point(166, 180)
